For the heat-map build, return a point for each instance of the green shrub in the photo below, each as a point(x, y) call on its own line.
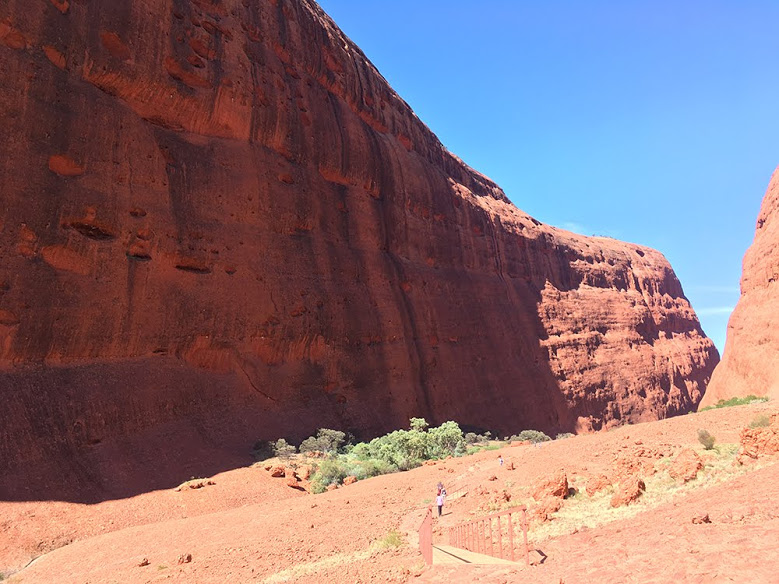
point(706, 439)
point(398, 450)
point(533, 436)
point(329, 472)
point(736, 401)
point(761, 421)
point(564, 435)
point(283, 449)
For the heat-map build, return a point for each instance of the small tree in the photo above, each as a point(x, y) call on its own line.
point(326, 440)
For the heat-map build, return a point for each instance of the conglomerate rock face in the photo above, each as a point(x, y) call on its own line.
point(220, 224)
point(750, 364)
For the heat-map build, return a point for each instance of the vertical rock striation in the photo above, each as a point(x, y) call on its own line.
point(220, 224)
point(750, 364)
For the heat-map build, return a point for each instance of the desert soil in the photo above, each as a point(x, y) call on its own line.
point(251, 527)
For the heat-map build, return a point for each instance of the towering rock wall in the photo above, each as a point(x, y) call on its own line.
point(219, 224)
point(750, 364)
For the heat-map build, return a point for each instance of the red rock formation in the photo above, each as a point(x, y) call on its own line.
point(750, 364)
point(220, 224)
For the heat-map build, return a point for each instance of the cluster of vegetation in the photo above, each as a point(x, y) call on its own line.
point(337, 457)
point(735, 401)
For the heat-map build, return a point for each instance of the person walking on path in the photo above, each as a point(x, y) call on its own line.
point(439, 501)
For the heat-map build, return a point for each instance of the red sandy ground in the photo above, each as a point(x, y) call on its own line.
point(248, 526)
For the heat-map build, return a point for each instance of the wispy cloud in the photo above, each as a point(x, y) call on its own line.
point(713, 310)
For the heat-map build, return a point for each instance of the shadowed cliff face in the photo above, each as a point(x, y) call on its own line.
point(750, 364)
point(220, 224)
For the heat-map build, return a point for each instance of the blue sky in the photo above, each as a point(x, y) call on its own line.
point(652, 122)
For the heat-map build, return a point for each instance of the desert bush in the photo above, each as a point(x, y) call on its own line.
point(283, 449)
point(705, 438)
point(564, 435)
point(472, 438)
point(393, 539)
point(760, 421)
point(533, 436)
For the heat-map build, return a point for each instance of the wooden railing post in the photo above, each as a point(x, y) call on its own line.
point(511, 537)
point(524, 534)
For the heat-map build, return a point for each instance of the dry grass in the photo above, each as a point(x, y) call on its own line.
point(393, 539)
point(583, 511)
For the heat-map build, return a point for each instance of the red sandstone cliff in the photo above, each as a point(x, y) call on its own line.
point(750, 364)
point(219, 224)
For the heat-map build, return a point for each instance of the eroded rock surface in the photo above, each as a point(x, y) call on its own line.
point(750, 364)
point(220, 224)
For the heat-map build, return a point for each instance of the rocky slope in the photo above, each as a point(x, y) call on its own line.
point(750, 364)
point(220, 224)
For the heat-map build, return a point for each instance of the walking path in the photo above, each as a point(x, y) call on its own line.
point(446, 554)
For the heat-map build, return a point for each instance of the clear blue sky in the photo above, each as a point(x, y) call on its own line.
point(652, 122)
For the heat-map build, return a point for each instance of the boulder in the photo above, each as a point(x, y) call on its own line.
point(556, 486)
point(629, 491)
point(596, 484)
point(757, 442)
point(685, 466)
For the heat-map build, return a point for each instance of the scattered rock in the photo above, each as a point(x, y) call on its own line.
point(629, 491)
point(493, 478)
point(185, 558)
point(699, 519)
point(332, 487)
point(277, 471)
point(596, 484)
point(685, 466)
point(194, 484)
point(544, 510)
point(143, 562)
point(557, 486)
point(756, 442)
point(350, 480)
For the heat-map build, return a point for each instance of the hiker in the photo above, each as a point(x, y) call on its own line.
point(439, 487)
point(439, 500)
point(500, 459)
